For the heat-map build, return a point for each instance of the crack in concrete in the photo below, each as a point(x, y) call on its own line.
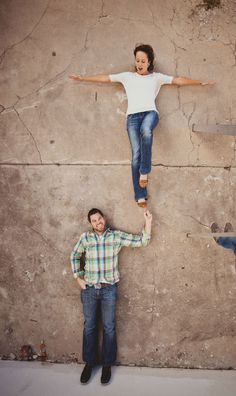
point(234, 152)
point(180, 108)
point(151, 12)
point(126, 163)
point(164, 33)
point(134, 19)
point(216, 282)
point(232, 46)
point(188, 118)
point(198, 221)
point(46, 241)
point(231, 198)
point(172, 17)
point(2, 108)
point(102, 15)
point(99, 18)
point(173, 27)
point(177, 46)
point(19, 109)
point(234, 144)
point(36, 91)
point(51, 80)
point(30, 133)
point(153, 305)
point(10, 108)
point(180, 35)
point(86, 37)
point(2, 56)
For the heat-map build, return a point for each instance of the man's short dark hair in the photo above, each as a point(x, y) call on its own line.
point(94, 211)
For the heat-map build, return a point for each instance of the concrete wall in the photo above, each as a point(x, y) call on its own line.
point(64, 149)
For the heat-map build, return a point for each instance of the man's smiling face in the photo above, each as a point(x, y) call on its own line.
point(98, 223)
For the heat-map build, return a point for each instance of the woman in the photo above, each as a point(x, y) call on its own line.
point(142, 87)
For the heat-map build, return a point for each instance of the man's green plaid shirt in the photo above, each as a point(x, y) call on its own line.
point(101, 254)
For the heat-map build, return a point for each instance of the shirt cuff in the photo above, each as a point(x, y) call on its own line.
point(79, 274)
point(146, 235)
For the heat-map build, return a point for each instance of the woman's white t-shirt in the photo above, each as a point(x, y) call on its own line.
point(141, 91)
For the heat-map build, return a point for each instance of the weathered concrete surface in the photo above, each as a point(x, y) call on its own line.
point(44, 109)
point(33, 379)
point(177, 297)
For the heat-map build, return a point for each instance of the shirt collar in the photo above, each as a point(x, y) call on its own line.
point(92, 233)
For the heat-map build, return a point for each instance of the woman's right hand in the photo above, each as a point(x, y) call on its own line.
point(81, 283)
point(77, 77)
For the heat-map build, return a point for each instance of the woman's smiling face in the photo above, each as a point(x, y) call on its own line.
point(141, 63)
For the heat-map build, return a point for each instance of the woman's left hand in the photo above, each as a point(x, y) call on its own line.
point(208, 83)
point(76, 78)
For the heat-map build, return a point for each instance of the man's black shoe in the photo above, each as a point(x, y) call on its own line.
point(215, 228)
point(228, 227)
point(106, 375)
point(86, 374)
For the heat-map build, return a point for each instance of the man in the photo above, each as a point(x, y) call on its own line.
point(225, 242)
point(98, 282)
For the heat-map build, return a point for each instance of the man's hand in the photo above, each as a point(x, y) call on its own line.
point(81, 283)
point(148, 221)
point(78, 77)
point(147, 216)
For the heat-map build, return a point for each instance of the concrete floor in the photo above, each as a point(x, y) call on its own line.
point(37, 379)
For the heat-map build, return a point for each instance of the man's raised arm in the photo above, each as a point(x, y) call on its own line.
point(134, 240)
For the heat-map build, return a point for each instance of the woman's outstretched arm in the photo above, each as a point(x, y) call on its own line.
point(180, 81)
point(99, 78)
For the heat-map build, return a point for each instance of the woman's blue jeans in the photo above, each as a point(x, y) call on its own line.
point(93, 299)
point(140, 130)
point(227, 243)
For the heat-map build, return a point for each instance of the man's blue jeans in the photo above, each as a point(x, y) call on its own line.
point(227, 243)
point(140, 130)
point(105, 298)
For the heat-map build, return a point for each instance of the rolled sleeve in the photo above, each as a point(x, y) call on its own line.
point(145, 238)
point(134, 240)
point(75, 258)
point(79, 274)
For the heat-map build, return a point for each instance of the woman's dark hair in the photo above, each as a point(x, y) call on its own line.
point(94, 211)
point(149, 52)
